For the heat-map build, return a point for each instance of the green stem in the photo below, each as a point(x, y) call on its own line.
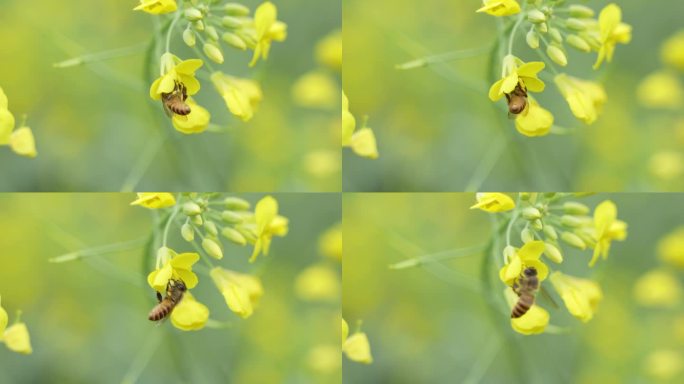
point(172, 216)
point(438, 256)
point(519, 21)
point(176, 17)
point(101, 56)
point(442, 58)
point(99, 251)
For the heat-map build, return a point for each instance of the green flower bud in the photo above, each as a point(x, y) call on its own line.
point(187, 232)
point(211, 33)
point(537, 225)
point(193, 14)
point(234, 41)
point(236, 9)
point(581, 11)
point(557, 55)
point(553, 253)
point(212, 248)
point(197, 220)
point(526, 235)
point(555, 35)
point(525, 196)
point(213, 52)
point(571, 221)
point(509, 252)
point(189, 37)
point(248, 234)
point(532, 39)
point(231, 217)
point(236, 204)
point(578, 43)
point(231, 22)
point(573, 240)
point(234, 236)
point(575, 208)
point(575, 24)
point(536, 16)
point(210, 227)
point(191, 209)
point(543, 28)
point(550, 232)
point(531, 213)
point(199, 25)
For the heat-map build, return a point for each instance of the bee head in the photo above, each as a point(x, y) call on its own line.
point(530, 271)
point(178, 284)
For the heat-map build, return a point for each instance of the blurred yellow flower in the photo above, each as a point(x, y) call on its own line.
point(585, 98)
point(6, 125)
point(4, 103)
point(240, 291)
point(671, 248)
point(4, 319)
point(268, 223)
point(667, 165)
point(363, 143)
point(516, 72)
point(176, 266)
point(330, 243)
point(672, 51)
point(23, 143)
point(356, 346)
point(318, 283)
point(611, 31)
point(195, 122)
point(581, 296)
point(493, 202)
point(531, 323)
point(664, 364)
point(500, 7)
point(174, 71)
point(608, 228)
point(329, 51)
point(324, 358)
point(315, 89)
point(658, 288)
point(323, 163)
point(534, 121)
point(348, 122)
point(155, 200)
point(268, 28)
point(525, 257)
point(157, 7)
point(661, 89)
point(242, 96)
point(16, 338)
point(189, 314)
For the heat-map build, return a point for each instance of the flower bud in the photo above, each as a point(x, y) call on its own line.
point(191, 209)
point(231, 217)
point(537, 225)
point(536, 16)
point(198, 25)
point(508, 253)
point(573, 240)
point(578, 43)
point(212, 248)
point(197, 220)
point(234, 236)
point(231, 22)
point(248, 234)
point(553, 253)
point(531, 213)
point(581, 11)
point(550, 232)
point(557, 55)
point(532, 39)
point(211, 33)
point(571, 221)
point(187, 232)
point(575, 24)
point(526, 235)
point(213, 52)
point(236, 204)
point(525, 196)
point(543, 28)
point(189, 37)
point(193, 14)
point(236, 9)
point(555, 35)
point(575, 208)
point(234, 41)
point(210, 227)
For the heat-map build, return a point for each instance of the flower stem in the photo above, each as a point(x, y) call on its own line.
point(176, 17)
point(516, 213)
point(438, 256)
point(170, 220)
point(99, 251)
point(519, 21)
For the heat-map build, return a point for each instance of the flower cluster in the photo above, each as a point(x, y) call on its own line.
point(550, 26)
point(361, 141)
point(203, 219)
point(545, 221)
point(16, 336)
point(21, 140)
point(213, 25)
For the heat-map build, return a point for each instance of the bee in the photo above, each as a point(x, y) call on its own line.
point(174, 102)
point(526, 288)
point(517, 100)
point(175, 290)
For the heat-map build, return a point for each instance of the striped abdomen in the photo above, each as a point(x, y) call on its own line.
point(528, 286)
point(162, 309)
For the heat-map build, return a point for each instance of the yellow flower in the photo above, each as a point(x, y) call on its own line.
point(363, 143)
point(611, 31)
point(268, 223)
point(189, 314)
point(500, 7)
point(348, 122)
point(16, 338)
point(316, 89)
point(516, 72)
point(176, 71)
point(658, 288)
point(608, 228)
point(585, 98)
point(174, 266)
point(534, 121)
point(664, 365)
point(242, 96)
point(195, 122)
point(330, 243)
point(581, 296)
point(661, 89)
point(4, 103)
point(672, 52)
point(667, 165)
point(329, 51)
point(6, 125)
point(155, 200)
point(493, 202)
point(671, 248)
point(241, 292)
point(531, 323)
point(4, 319)
point(157, 7)
point(23, 143)
point(356, 346)
point(268, 28)
point(318, 283)
point(525, 257)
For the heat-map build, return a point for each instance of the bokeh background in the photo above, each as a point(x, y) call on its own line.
point(437, 129)
point(87, 319)
point(96, 128)
point(432, 325)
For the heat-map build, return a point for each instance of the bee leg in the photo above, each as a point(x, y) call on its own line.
point(159, 297)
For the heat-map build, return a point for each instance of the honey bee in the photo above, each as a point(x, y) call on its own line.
point(175, 290)
point(174, 102)
point(526, 288)
point(517, 100)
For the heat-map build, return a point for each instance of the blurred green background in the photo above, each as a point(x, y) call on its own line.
point(432, 326)
point(96, 128)
point(436, 127)
point(88, 319)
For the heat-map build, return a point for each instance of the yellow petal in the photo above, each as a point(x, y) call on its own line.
point(6, 126)
point(531, 251)
point(363, 143)
point(531, 69)
point(3, 321)
point(533, 322)
point(17, 339)
point(345, 330)
point(23, 143)
point(185, 260)
point(189, 314)
point(357, 348)
point(155, 200)
point(536, 122)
